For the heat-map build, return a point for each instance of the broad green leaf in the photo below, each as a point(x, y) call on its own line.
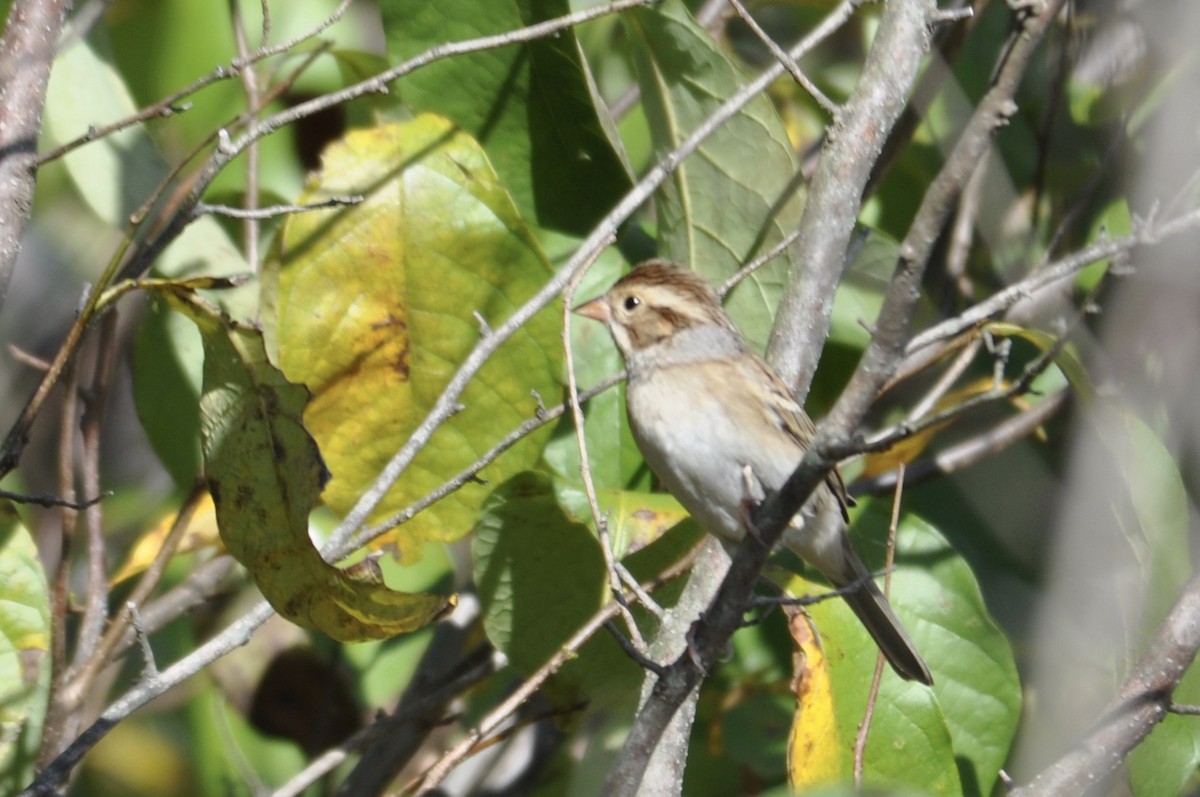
point(117, 173)
point(1165, 763)
point(377, 308)
point(754, 733)
point(736, 196)
point(114, 176)
point(954, 738)
point(24, 651)
point(265, 474)
point(1114, 221)
point(1157, 531)
point(540, 577)
point(530, 105)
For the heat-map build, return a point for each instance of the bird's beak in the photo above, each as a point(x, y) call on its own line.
point(596, 309)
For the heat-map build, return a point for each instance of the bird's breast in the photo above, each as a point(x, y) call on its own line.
point(694, 444)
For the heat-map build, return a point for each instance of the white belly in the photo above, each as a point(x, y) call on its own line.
point(699, 451)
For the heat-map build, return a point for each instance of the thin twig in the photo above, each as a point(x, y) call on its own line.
point(468, 474)
point(1000, 393)
point(944, 382)
point(97, 132)
point(100, 655)
point(249, 76)
point(272, 211)
point(618, 576)
point(757, 263)
point(60, 719)
point(175, 103)
point(438, 772)
point(51, 501)
point(149, 666)
point(1141, 703)
point(199, 588)
point(788, 62)
point(970, 451)
point(96, 612)
point(450, 665)
point(962, 233)
point(864, 728)
point(48, 780)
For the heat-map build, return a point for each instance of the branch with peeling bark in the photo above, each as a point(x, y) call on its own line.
point(1142, 702)
point(27, 50)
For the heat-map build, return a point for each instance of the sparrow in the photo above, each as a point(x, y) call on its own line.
point(721, 431)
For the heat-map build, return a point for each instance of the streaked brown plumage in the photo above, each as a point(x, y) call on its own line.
point(715, 422)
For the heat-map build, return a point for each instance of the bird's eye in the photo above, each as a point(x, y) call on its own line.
point(631, 302)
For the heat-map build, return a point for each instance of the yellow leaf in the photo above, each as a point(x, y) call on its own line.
point(814, 757)
point(638, 519)
point(911, 447)
point(201, 532)
point(265, 473)
point(379, 304)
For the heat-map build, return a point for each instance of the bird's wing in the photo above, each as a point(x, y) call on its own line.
point(794, 421)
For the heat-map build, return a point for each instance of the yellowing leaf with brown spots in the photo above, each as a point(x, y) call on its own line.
point(815, 757)
point(265, 474)
point(377, 308)
point(637, 519)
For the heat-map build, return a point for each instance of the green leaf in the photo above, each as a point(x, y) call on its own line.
point(114, 176)
point(1157, 530)
point(377, 308)
point(735, 197)
point(265, 473)
point(530, 105)
point(1114, 221)
point(860, 294)
point(24, 651)
point(117, 173)
point(954, 738)
point(1067, 358)
point(1165, 763)
point(540, 577)
point(755, 733)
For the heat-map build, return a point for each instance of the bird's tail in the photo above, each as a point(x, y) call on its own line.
point(874, 611)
